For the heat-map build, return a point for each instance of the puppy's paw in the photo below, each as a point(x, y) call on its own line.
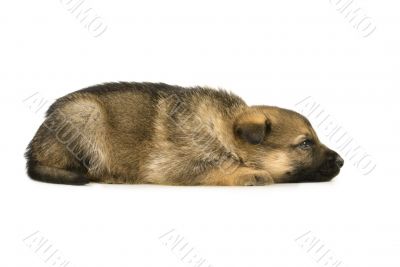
point(255, 179)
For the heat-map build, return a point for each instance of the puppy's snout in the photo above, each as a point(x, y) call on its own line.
point(335, 159)
point(339, 161)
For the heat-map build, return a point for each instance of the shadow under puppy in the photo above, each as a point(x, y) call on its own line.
point(163, 134)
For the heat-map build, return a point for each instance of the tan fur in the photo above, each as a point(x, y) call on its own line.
point(237, 176)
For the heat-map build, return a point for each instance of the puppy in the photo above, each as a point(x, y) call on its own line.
point(162, 134)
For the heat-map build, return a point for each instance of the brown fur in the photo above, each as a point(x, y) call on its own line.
point(162, 134)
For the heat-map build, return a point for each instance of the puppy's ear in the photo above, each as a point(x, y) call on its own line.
point(252, 128)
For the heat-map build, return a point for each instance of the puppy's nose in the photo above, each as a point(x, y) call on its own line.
point(339, 161)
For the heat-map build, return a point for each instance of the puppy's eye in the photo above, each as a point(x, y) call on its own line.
point(306, 144)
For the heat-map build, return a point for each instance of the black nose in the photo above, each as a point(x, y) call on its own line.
point(339, 161)
point(334, 159)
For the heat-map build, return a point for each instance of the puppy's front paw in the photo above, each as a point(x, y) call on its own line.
point(256, 179)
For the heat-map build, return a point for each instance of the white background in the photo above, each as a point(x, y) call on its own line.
point(268, 52)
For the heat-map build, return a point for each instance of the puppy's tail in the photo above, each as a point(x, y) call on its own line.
point(40, 171)
point(56, 175)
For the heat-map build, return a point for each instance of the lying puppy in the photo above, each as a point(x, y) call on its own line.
point(163, 134)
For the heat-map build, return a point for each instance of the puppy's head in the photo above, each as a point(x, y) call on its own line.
point(283, 143)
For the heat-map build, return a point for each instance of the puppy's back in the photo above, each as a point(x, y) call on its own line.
point(111, 132)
